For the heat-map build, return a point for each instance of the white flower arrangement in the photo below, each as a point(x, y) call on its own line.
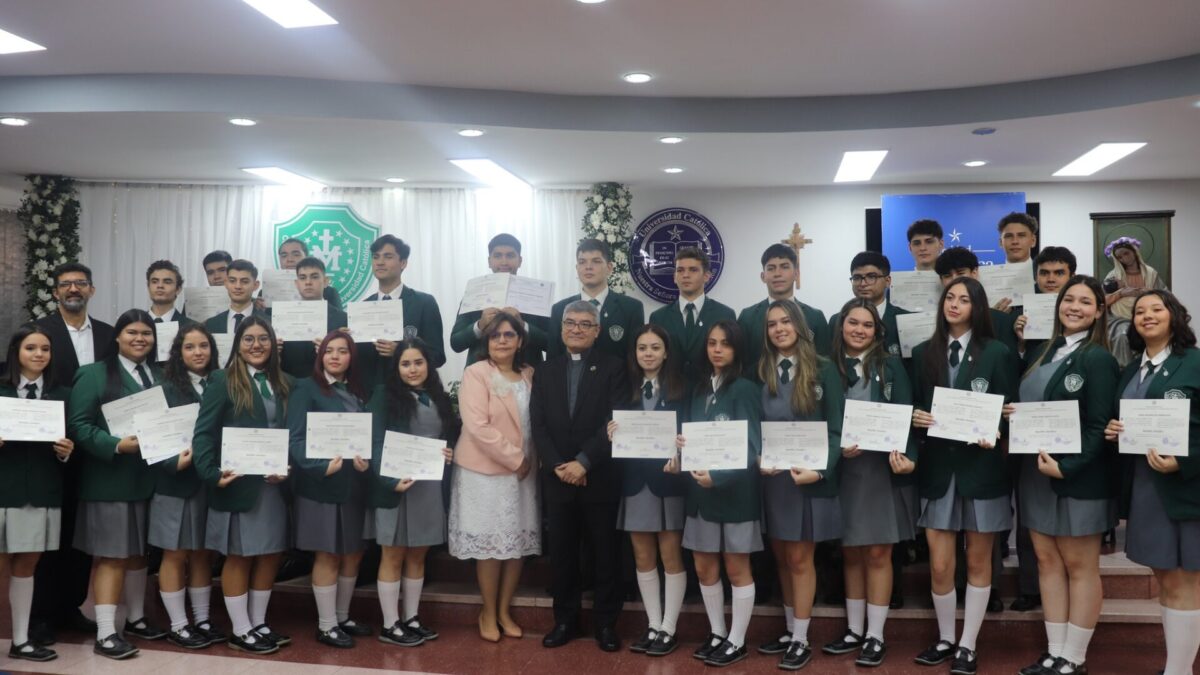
point(608, 219)
point(50, 214)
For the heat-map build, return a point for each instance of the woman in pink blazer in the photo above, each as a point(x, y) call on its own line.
point(493, 500)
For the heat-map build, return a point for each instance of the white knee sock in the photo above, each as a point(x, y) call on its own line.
point(412, 595)
point(176, 605)
point(743, 607)
point(876, 618)
point(649, 586)
point(676, 586)
point(974, 606)
point(135, 594)
point(944, 607)
point(326, 597)
point(789, 617)
point(258, 608)
point(1181, 628)
point(389, 601)
point(1075, 649)
point(800, 631)
point(714, 607)
point(1056, 637)
point(239, 616)
point(201, 597)
point(856, 614)
point(345, 593)
point(20, 600)
point(106, 616)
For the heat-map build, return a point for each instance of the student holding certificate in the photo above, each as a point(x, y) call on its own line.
point(1163, 529)
point(652, 508)
point(116, 484)
point(247, 515)
point(312, 284)
point(876, 491)
point(331, 499)
point(723, 507)
point(800, 506)
point(408, 516)
point(179, 509)
point(963, 486)
point(31, 489)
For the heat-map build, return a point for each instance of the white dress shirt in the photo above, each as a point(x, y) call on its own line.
point(81, 340)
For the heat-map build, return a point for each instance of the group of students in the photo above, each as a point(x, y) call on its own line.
point(537, 428)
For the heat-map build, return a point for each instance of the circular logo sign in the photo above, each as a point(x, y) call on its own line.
point(656, 241)
point(341, 238)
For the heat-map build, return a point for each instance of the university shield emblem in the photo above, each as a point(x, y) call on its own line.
point(979, 385)
point(1073, 382)
point(616, 333)
point(340, 238)
point(1174, 394)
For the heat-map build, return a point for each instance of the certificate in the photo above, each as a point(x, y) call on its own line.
point(918, 291)
point(31, 420)
point(330, 434)
point(530, 296)
point(489, 290)
point(1039, 315)
point(1013, 281)
point(804, 445)
point(416, 457)
point(164, 335)
point(279, 285)
point(879, 427)
point(119, 413)
point(254, 452)
point(166, 434)
point(300, 320)
point(644, 434)
point(914, 329)
point(1052, 426)
point(966, 416)
point(371, 321)
point(1161, 424)
point(224, 345)
point(713, 446)
point(205, 302)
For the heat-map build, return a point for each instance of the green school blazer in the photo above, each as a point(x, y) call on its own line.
point(977, 473)
point(105, 475)
point(30, 473)
point(620, 317)
point(168, 479)
point(381, 492)
point(217, 412)
point(891, 334)
point(894, 386)
point(735, 495)
point(753, 320)
point(1178, 377)
point(218, 324)
point(689, 349)
point(422, 319)
point(310, 480)
point(462, 338)
point(298, 355)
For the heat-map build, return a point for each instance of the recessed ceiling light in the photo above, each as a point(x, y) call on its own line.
point(14, 121)
point(859, 165)
point(984, 131)
point(637, 78)
point(470, 133)
point(975, 163)
point(242, 122)
point(1097, 158)
point(590, 2)
point(292, 13)
point(491, 173)
point(284, 177)
point(670, 140)
point(1196, 104)
point(15, 44)
point(395, 180)
point(672, 169)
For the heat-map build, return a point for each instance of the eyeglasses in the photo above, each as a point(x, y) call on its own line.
point(503, 335)
point(249, 340)
point(77, 283)
point(572, 324)
point(865, 278)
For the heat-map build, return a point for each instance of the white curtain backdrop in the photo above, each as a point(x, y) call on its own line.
point(125, 227)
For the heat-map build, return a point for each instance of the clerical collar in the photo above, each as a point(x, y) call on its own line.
point(576, 357)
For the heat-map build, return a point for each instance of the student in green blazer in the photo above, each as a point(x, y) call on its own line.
point(688, 319)
point(291, 253)
point(780, 270)
point(620, 315)
point(408, 516)
point(504, 257)
point(330, 507)
point(1163, 530)
point(800, 504)
point(31, 489)
point(116, 484)
point(870, 279)
point(1066, 501)
point(723, 507)
point(877, 494)
point(247, 515)
point(958, 261)
point(298, 355)
point(241, 281)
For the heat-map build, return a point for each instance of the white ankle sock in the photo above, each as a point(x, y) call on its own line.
point(876, 618)
point(944, 607)
point(1181, 628)
point(106, 616)
point(239, 616)
point(675, 587)
point(789, 617)
point(326, 597)
point(389, 601)
point(714, 607)
point(1075, 648)
point(135, 594)
point(345, 593)
point(649, 586)
point(412, 595)
point(856, 615)
point(176, 605)
point(974, 607)
point(800, 631)
point(1056, 637)
point(743, 607)
point(201, 597)
point(20, 601)
point(258, 608)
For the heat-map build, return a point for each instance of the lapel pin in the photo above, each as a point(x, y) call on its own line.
point(701, 323)
point(593, 369)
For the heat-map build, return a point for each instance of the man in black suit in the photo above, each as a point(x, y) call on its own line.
point(76, 339)
point(573, 398)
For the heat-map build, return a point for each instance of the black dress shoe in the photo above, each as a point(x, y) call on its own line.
point(31, 651)
point(354, 629)
point(188, 637)
point(1065, 667)
point(872, 653)
point(994, 603)
point(144, 629)
point(210, 633)
point(850, 642)
point(725, 654)
point(706, 648)
point(335, 637)
point(965, 662)
point(897, 602)
point(114, 647)
point(1040, 667)
point(414, 625)
point(935, 654)
point(797, 656)
point(559, 636)
point(643, 643)
point(607, 639)
point(664, 644)
point(252, 643)
point(42, 634)
point(279, 639)
point(1026, 603)
point(400, 635)
point(777, 646)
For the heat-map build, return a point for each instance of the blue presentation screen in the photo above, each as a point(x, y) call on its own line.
point(967, 220)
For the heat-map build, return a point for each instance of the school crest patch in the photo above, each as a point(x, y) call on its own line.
point(1175, 394)
point(819, 391)
point(410, 332)
point(616, 333)
point(979, 385)
point(722, 417)
point(1073, 382)
point(341, 238)
point(894, 350)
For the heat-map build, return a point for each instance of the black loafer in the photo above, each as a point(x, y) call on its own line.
point(796, 657)
point(607, 640)
point(726, 654)
point(872, 653)
point(264, 631)
point(1040, 667)
point(1065, 667)
point(188, 637)
point(210, 633)
point(664, 644)
point(414, 625)
point(335, 637)
point(706, 648)
point(114, 647)
point(777, 646)
point(355, 629)
point(559, 636)
point(30, 651)
point(400, 635)
point(935, 654)
point(252, 643)
point(850, 642)
point(965, 662)
point(1026, 603)
point(643, 643)
point(995, 604)
point(144, 629)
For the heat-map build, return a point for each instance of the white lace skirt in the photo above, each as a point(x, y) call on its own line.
point(493, 517)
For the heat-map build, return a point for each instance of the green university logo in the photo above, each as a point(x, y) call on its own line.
point(340, 238)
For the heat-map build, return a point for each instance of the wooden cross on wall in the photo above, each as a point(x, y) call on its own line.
point(797, 241)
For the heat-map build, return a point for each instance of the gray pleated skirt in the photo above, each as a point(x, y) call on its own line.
point(791, 515)
point(30, 529)
point(705, 537)
point(178, 524)
point(419, 520)
point(1152, 538)
point(875, 511)
point(329, 528)
point(1043, 510)
point(260, 531)
point(647, 512)
point(962, 514)
point(111, 529)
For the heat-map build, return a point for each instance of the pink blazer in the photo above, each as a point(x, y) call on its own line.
point(492, 441)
